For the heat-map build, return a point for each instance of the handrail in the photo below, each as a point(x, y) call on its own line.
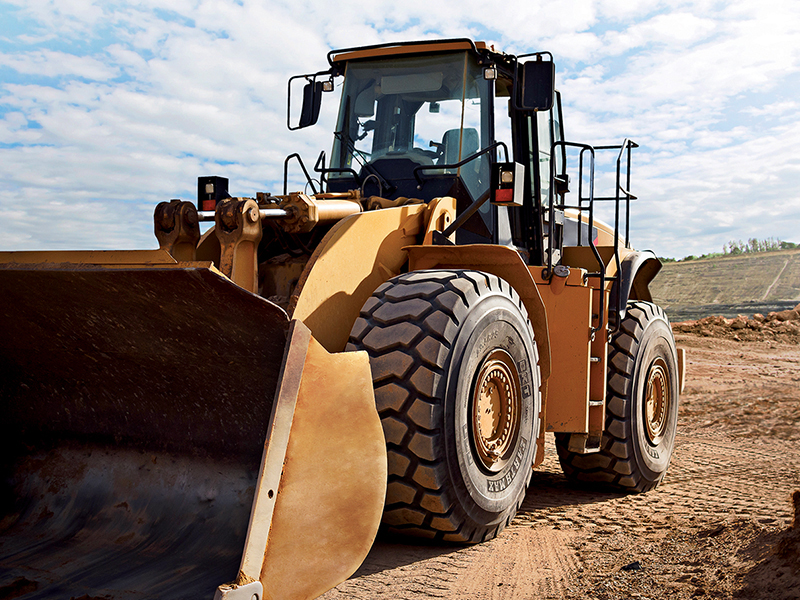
point(621, 194)
point(625, 147)
point(319, 167)
point(286, 173)
point(601, 274)
point(470, 158)
point(624, 150)
point(552, 204)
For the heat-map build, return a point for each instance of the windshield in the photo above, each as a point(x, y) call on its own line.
point(397, 114)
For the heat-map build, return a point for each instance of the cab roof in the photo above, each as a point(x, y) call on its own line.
point(339, 57)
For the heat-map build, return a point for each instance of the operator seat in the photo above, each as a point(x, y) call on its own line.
point(450, 142)
point(470, 143)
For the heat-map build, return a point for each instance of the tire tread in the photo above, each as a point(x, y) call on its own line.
point(407, 380)
point(614, 465)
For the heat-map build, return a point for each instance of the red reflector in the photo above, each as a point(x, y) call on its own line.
point(209, 204)
point(504, 195)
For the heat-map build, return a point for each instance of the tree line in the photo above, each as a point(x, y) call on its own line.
point(738, 247)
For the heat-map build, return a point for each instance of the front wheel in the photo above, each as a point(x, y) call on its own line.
point(641, 407)
point(456, 376)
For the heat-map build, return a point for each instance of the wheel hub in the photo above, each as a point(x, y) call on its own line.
point(495, 410)
point(657, 402)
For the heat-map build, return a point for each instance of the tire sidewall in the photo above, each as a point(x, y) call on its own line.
point(656, 343)
point(494, 323)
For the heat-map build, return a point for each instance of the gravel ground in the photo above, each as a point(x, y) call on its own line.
point(721, 525)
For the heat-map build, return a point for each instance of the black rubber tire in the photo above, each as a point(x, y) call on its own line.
point(631, 459)
point(429, 334)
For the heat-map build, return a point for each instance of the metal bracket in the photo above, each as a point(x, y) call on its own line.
point(238, 228)
point(584, 443)
point(248, 591)
point(303, 213)
point(177, 229)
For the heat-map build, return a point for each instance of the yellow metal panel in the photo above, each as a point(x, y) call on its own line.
point(441, 213)
point(328, 505)
point(89, 257)
point(583, 257)
point(605, 232)
point(502, 261)
point(274, 452)
point(357, 255)
point(569, 316)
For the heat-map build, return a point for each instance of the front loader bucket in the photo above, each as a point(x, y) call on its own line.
point(135, 403)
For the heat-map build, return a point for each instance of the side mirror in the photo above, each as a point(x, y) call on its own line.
point(312, 102)
point(538, 85)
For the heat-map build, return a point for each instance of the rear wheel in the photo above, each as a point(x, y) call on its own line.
point(641, 407)
point(456, 377)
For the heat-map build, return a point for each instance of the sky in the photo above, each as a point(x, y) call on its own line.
point(109, 107)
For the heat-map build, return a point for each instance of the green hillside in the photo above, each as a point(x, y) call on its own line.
point(747, 283)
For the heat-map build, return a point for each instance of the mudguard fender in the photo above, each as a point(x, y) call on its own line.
point(637, 270)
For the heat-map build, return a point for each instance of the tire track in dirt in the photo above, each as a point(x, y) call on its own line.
point(396, 569)
point(741, 478)
point(706, 531)
point(526, 562)
point(705, 477)
point(709, 478)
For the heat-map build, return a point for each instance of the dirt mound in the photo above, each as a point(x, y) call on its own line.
point(782, 326)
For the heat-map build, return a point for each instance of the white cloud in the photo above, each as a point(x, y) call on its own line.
point(772, 110)
point(145, 100)
point(47, 63)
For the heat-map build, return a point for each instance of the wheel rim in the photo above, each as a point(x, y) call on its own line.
point(657, 402)
point(496, 410)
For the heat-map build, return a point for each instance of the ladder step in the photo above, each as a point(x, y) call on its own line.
point(583, 443)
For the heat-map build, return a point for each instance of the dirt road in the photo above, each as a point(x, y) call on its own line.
point(718, 527)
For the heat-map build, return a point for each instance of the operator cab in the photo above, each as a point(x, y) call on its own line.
point(403, 122)
point(404, 113)
point(423, 120)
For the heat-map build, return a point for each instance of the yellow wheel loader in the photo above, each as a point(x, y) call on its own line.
point(235, 414)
